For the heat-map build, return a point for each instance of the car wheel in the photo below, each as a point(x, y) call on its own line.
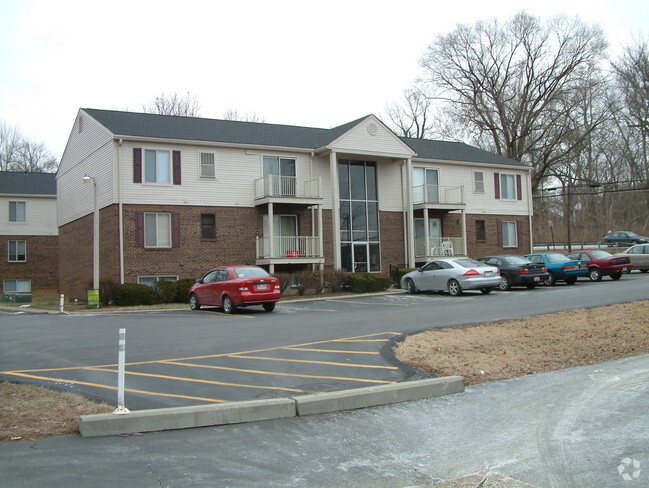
point(550, 280)
point(269, 307)
point(594, 274)
point(228, 306)
point(410, 286)
point(531, 286)
point(486, 291)
point(571, 281)
point(193, 302)
point(617, 275)
point(454, 288)
point(504, 283)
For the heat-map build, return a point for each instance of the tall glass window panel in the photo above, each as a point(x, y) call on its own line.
point(359, 221)
point(345, 221)
point(360, 258)
point(370, 180)
point(343, 179)
point(357, 180)
point(346, 257)
point(375, 257)
point(372, 221)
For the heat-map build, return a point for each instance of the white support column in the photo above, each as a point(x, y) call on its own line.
point(335, 208)
point(271, 232)
point(426, 233)
point(466, 249)
point(320, 238)
point(410, 215)
point(121, 365)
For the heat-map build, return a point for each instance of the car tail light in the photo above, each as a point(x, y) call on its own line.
point(544, 269)
point(523, 271)
point(471, 272)
point(569, 267)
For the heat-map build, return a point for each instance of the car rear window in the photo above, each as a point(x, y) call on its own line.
point(518, 260)
point(555, 257)
point(470, 263)
point(601, 254)
point(250, 272)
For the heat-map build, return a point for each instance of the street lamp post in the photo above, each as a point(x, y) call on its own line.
point(95, 234)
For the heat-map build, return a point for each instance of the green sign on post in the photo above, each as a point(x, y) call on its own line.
point(93, 298)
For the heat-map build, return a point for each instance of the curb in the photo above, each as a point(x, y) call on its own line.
point(256, 410)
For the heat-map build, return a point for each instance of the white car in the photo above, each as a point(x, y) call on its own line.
point(453, 275)
point(639, 256)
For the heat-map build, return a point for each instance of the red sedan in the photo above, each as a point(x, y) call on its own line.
point(600, 263)
point(230, 287)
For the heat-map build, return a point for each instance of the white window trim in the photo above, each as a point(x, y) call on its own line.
point(16, 222)
point(279, 157)
point(170, 168)
point(157, 214)
point(200, 165)
point(515, 197)
point(475, 187)
point(515, 236)
point(9, 255)
point(157, 278)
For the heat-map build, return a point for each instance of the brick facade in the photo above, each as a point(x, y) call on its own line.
point(392, 242)
point(41, 265)
point(477, 249)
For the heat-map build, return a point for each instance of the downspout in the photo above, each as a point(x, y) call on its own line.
point(405, 214)
point(530, 207)
point(411, 220)
point(120, 211)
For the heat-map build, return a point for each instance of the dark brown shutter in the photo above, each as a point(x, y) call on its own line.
point(176, 168)
point(139, 229)
point(175, 230)
point(519, 186)
point(499, 228)
point(137, 165)
point(497, 185)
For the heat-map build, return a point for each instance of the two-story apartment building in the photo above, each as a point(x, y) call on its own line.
point(28, 233)
point(178, 195)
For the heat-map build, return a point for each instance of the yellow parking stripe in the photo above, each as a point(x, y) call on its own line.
point(360, 340)
point(276, 373)
point(107, 387)
point(192, 380)
point(313, 362)
point(326, 350)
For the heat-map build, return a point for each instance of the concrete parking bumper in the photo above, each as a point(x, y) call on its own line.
point(256, 410)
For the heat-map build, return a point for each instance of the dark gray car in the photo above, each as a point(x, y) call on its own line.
point(623, 238)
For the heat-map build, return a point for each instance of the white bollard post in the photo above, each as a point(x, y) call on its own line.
point(61, 301)
point(121, 408)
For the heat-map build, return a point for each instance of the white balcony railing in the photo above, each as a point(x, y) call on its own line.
point(287, 186)
point(439, 246)
point(288, 247)
point(433, 194)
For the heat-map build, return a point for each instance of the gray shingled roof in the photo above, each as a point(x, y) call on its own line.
point(15, 183)
point(236, 132)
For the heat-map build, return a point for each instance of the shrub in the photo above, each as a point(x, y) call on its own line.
point(285, 280)
point(107, 292)
point(165, 291)
point(368, 282)
point(335, 279)
point(401, 272)
point(134, 294)
point(182, 289)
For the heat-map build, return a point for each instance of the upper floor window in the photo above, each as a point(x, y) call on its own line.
point(157, 230)
point(17, 211)
point(208, 165)
point(478, 182)
point(17, 251)
point(425, 182)
point(508, 186)
point(157, 166)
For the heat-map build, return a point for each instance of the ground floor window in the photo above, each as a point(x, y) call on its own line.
point(157, 230)
point(17, 286)
point(151, 280)
point(480, 231)
point(360, 257)
point(509, 234)
point(17, 251)
point(208, 226)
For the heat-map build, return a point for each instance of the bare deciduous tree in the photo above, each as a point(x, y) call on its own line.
point(185, 105)
point(413, 116)
point(20, 154)
point(233, 114)
point(10, 142)
point(512, 86)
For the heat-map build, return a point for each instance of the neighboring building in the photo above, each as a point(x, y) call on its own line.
point(29, 233)
point(179, 195)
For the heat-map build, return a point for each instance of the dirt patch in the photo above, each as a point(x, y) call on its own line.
point(509, 348)
point(29, 412)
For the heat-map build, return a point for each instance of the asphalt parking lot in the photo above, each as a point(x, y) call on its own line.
point(180, 357)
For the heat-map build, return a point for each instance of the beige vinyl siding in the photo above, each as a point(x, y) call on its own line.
point(40, 215)
point(389, 186)
point(383, 142)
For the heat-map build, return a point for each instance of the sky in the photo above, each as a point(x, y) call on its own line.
point(306, 63)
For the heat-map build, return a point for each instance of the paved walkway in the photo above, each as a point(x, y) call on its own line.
point(582, 427)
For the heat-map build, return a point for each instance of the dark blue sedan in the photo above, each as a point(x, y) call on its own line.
point(560, 267)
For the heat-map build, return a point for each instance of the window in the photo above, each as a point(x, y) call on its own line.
point(208, 166)
point(507, 187)
point(208, 226)
point(17, 286)
point(480, 230)
point(17, 251)
point(425, 185)
point(157, 166)
point(509, 233)
point(280, 175)
point(17, 211)
point(151, 280)
point(478, 182)
point(157, 230)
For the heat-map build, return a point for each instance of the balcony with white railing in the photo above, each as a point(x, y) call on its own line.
point(438, 247)
point(438, 196)
point(289, 249)
point(287, 189)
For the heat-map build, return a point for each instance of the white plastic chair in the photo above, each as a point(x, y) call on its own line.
point(447, 248)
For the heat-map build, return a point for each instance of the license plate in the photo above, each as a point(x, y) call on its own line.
point(537, 278)
point(624, 270)
point(262, 287)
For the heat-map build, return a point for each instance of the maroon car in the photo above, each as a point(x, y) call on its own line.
point(600, 263)
point(230, 287)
